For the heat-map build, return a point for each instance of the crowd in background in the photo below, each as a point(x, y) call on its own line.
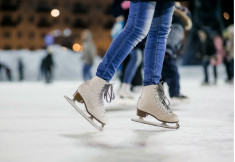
point(199, 32)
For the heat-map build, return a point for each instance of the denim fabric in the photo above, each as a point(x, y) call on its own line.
point(145, 18)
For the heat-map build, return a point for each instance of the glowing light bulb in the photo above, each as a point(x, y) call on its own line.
point(55, 13)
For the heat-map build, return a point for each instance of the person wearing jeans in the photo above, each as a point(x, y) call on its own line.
point(170, 74)
point(146, 18)
point(86, 72)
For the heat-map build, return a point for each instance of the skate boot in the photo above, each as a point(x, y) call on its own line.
point(125, 91)
point(91, 94)
point(179, 99)
point(153, 102)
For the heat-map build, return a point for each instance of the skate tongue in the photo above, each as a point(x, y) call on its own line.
point(109, 96)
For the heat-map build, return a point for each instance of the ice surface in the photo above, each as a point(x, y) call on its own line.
point(37, 124)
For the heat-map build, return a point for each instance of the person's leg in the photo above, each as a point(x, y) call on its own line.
point(231, 62)
point(227, 68)
point(171, 76)
point(153, 100)
point(47, 76)
point(134, 61)
point(130, 70)
point(123, 67)
point(138, 79)
point(205, 64)
point(89, 71)
point(156, 42)
point(136, 29)
point(215, 73)
point(86, 72)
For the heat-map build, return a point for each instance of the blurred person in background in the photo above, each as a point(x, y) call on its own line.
point(208, 55)
point(89, 53)
point(210, 27)
point(205, 50)
point(20, 69)
point(8, 73)
point(47, 63)
point(229, 58)
point(7, 70)
point(181, 22)
point(47, 66)
point(0, 71)
point(205, 39)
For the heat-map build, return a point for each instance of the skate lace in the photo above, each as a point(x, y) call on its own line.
point(163, 97)
point(109, 96)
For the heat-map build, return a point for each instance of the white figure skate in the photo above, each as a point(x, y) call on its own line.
point(125, 91)
point(91, 94)
point(152, 102)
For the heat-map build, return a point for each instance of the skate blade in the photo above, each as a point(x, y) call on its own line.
point(163, 124)
point(89, 119)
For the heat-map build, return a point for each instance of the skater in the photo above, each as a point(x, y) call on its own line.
point(205, 14)
point(209, 54)
point(20, 69)
point(7, 71)
point(47, 66)
point(229, 58)
point(152, 18)
point(89, 52)
point(181, 22)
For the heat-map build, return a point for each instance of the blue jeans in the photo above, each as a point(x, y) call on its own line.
point(145, 18)
point(87, 72)
point(132, 65)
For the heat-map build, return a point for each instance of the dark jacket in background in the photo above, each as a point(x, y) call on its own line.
point(175, 38)
point(47, 63)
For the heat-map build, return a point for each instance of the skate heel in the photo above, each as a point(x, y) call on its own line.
point(141, 113)
point(78, 97)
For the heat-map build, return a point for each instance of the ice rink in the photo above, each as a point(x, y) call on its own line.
point(37, 124)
